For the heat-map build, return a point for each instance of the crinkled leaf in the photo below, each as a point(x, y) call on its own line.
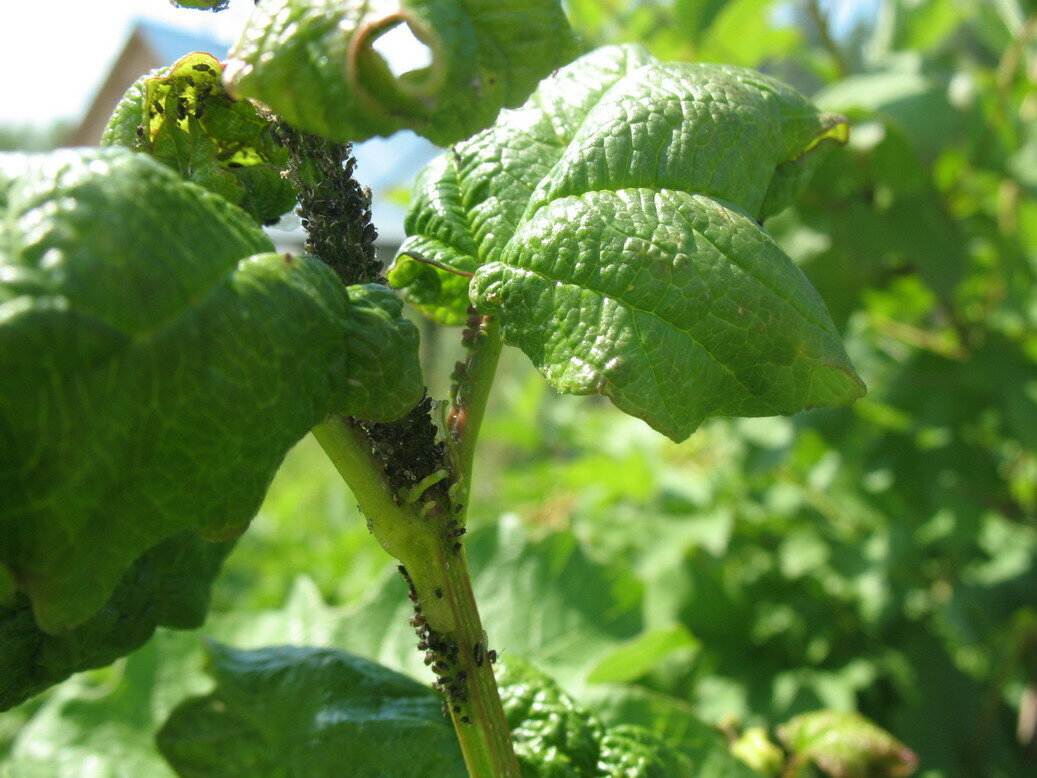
point(309, 712)
point(153, 374)
point(181, 116)
point(613, 224)
point(167, 586)
point(468, 203)
point(317, 63)
point(846, 745)
point(554, 736)
point(551, 734)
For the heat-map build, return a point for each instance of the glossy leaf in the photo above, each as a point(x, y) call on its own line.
point(153, 374)
point(319, 64)
point(551, 734)
point(309, 712)
point(611, 223)
point(181, 116)
point(554, 736)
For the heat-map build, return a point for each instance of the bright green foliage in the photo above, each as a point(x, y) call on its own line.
point(638, 657)
point(739, 32)
point(287, 711)
point(467, 204)
point(142, 349)
point(757, 750)
point(623, 258)
point(554, 737)
point(316, 63)
point(181, 116)
point(168, 585)
point(845, 745)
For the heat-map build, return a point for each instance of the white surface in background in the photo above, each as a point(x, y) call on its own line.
point(402, 50)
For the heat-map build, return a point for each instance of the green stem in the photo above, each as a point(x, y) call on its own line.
point(425, 540)
point(470, 395)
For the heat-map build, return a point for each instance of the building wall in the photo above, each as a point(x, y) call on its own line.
point(136, 59)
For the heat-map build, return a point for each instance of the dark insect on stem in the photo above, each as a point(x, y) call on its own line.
point(492, 656)
point(465, 720)
point(477, 654)
point(439, 593)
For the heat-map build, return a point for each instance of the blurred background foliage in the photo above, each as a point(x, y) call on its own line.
point(878, 558)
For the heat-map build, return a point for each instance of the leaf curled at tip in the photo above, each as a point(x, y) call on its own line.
point(181, 116)
point(352, 70)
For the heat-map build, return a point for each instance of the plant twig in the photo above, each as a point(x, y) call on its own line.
point(821, 22)
point(446, 617)
point(472, 381)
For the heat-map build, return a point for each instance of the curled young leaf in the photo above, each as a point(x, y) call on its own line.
point(351, 70)
point(182, 117)
point(155, 367)
point(612, 224)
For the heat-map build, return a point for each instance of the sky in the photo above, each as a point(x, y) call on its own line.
point(62, 49)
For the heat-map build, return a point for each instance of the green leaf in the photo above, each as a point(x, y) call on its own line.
point(756, 749)
point(639, 656)
point(318, 64)
point(846, 745)
point(153, 374)
point(109, 718)
point(467, 204)
point(744, 33)
point(181, 116)
point(309, 712)
point(616, 238)
point(109, 722)
point(554, 736)
point(551, 734)
point(168, 585)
